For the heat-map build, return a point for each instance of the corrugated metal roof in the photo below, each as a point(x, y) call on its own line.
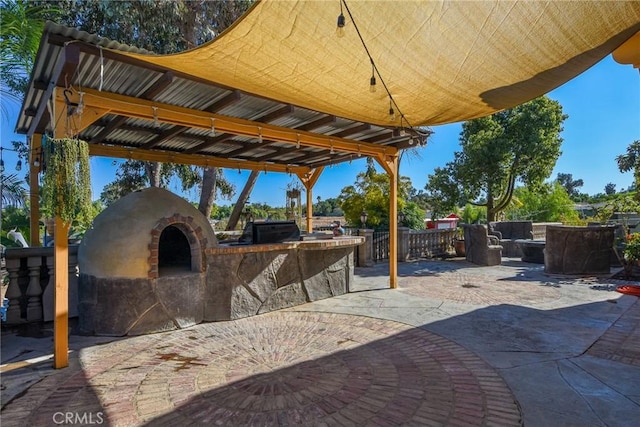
point(102, 70)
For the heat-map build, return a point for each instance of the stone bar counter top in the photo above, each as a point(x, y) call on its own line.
point(303, 244)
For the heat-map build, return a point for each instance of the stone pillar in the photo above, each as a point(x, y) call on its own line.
point(403, 243)
point(365, 250)
point(47, 295)
point(13, 292)
point(34, 291)
point(73, 285)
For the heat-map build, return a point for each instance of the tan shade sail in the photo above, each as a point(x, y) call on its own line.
point(629, 52)
point(441, 61)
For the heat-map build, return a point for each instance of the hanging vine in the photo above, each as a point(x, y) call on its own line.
point(67, 181)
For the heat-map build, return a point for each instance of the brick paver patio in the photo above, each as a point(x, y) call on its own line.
point(283, 368)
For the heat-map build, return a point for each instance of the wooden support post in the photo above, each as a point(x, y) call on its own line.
point(309, 179)
point(61, 295)
point(390, 164)
point(34, 190)
point(309, 210)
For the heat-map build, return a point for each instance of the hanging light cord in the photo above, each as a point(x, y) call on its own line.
point(375, 67)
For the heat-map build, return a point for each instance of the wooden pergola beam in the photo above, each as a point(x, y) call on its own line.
point(158, 86)
point(265, 118)
point(190, 159)
point(149, 110)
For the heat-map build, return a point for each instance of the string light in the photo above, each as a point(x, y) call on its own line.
point(341, 23)
point(332, 152)
point(297, 140)
point(392, 112)
point(155, 116)
point(374, 70)
point(18, 163)
point(359, 153)
point(213, 127)
point(259, 135)
point(372, 82)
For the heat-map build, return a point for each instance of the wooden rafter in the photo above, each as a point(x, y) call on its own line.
point(158, 86)
point(190, 159)
point(149, 110)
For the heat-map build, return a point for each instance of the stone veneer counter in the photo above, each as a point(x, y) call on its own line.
point(245, 280)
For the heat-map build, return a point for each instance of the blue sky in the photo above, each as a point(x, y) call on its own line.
point(603, 105)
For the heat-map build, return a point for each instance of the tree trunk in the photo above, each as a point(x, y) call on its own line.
point(242, 199)
point(208, 193)
point(153, 172)
point(491, 211)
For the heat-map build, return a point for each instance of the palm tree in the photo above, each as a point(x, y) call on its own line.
point(21, 25)
point(11, 192)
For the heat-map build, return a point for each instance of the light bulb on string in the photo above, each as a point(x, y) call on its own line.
point(213, 127)
point(341, 23)
point(259, 135)
point(392, 113)
point(372, 81)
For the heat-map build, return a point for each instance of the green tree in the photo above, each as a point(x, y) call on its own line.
point(549, 202)
point(520, 144)
point(610, 189)
point(370, 193)
point(569, 184)
point(13, 192)
point(443, 193)
point(631, 161)
point(327, 207)
point(413, 216)
point(14, 218)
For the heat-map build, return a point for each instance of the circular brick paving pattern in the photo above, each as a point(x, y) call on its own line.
point(285, 368)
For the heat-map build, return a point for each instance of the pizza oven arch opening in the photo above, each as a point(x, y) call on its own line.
point(178, 251)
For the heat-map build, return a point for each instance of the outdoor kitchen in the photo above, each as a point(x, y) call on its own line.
point(151, 262)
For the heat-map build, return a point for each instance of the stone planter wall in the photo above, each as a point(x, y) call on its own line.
point(578, 250)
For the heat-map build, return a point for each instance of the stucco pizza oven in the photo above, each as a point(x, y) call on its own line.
point(143, 266)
